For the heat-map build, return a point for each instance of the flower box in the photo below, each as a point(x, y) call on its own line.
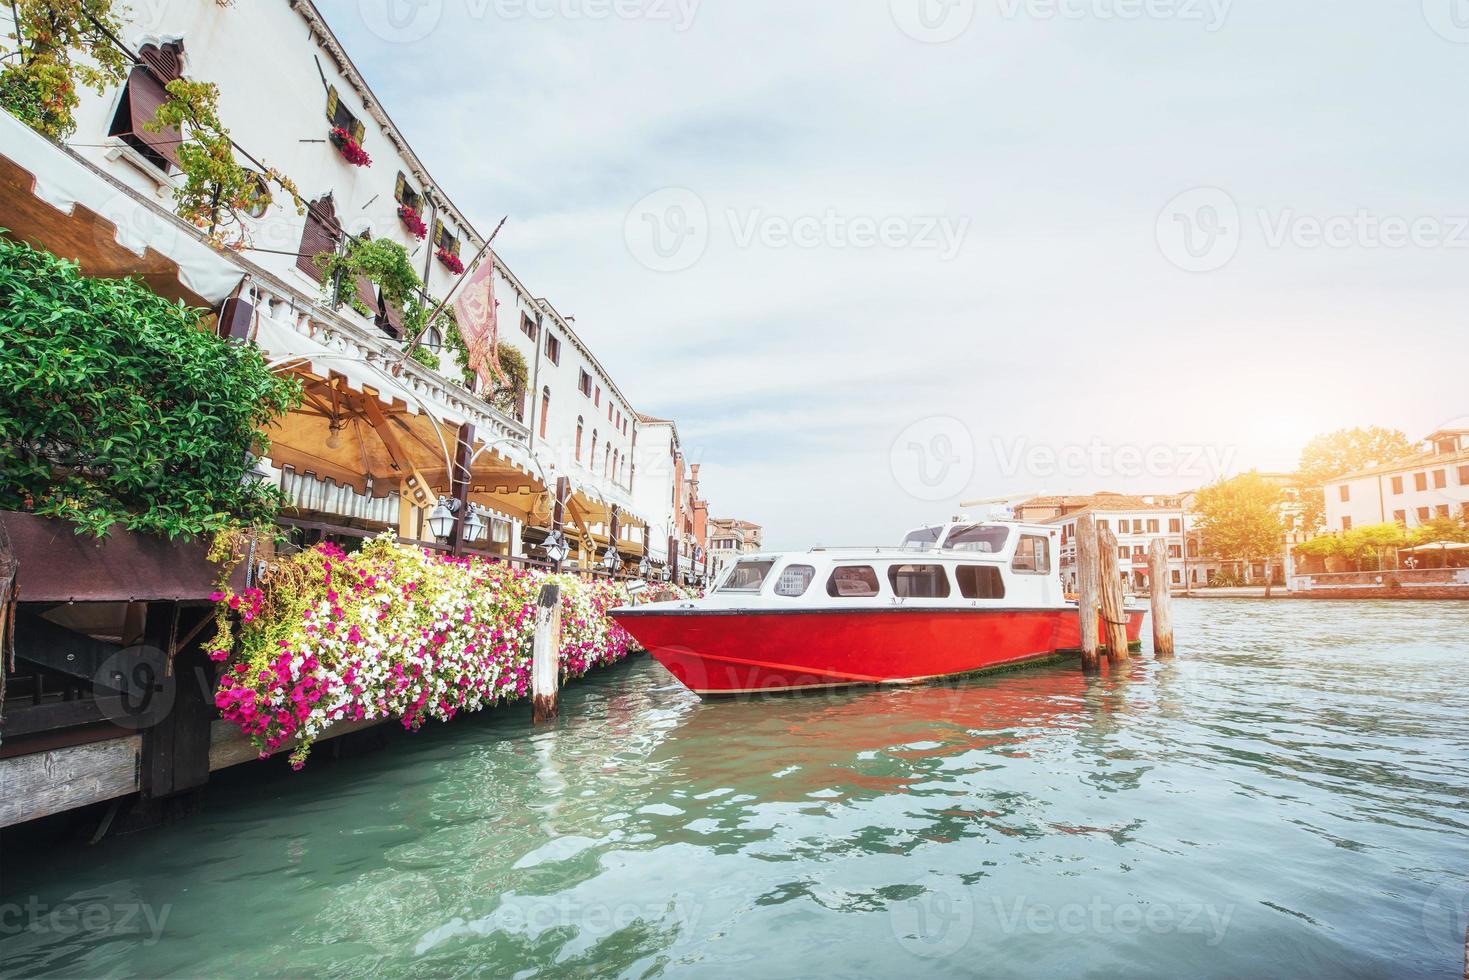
point(412, 221)
point(350, 149)
point(451, 261)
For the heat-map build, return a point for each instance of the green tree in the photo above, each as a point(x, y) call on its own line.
point(118, 406)
point(1335, 454)
point(1240, 519)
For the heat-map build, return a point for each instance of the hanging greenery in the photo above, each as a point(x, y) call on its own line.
point(386, 263)
point(60, 46)
point(118, 406)
point(218, 192)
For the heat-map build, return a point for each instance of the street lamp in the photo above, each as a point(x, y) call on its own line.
point(643, 567)
point(256, 473)
point(475, 525)
point(611, 561)
point(555, 547)
point(441, 518)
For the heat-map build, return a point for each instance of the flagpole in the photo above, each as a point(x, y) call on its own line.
point(450, 294)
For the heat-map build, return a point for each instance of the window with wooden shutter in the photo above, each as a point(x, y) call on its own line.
point(141, 98)
point(404, 193)
point(444, 239)
point(389, 318)
point(366, 289)
point(341, 117)
point(320, 235)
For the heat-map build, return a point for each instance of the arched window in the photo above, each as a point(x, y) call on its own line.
point(545, 409)
point(592, 457)
point(607, 459)
point(579, 422)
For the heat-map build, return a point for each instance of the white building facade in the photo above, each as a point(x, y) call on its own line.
point(575, 419)
point(1413, 491)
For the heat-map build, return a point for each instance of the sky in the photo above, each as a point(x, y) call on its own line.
point(878, 258)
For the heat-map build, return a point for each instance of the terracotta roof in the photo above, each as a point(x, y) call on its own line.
point(652, 419)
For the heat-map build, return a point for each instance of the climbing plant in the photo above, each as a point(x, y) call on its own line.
point(118, 406)
point(218, 192)
point(60, 46)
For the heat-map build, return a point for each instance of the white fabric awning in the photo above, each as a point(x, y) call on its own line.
point(103, 225)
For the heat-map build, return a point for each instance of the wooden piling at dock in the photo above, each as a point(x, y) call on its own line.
point(545, 671)
point(1086, 589)
point(1158, 592)
point(1114, 614)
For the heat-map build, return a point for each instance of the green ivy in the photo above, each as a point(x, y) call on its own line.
point(386, 263)
point(118, 406)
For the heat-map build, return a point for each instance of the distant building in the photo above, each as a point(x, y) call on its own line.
point(730, 537)
point(1136, 521)
point(1413, 490)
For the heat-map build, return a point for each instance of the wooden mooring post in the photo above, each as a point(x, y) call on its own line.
point(1086, 592)
point(1114, 615)
point(545, 670)
point(1158, 586)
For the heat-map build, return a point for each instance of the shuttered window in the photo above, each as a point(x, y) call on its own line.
point(341, 117)
point(320, 235)
point(141, 97)
point(406, 195)
point(366, 290)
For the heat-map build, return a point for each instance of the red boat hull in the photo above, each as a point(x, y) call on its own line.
point(741, 651)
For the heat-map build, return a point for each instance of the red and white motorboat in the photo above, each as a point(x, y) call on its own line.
point(954, 598)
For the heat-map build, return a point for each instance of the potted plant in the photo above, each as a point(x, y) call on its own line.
point(412, 221)
point(350, 149)
point(450, 260)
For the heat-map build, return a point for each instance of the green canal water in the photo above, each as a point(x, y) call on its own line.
point(1288, 797)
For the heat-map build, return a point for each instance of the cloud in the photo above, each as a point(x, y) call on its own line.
point(1056, 139)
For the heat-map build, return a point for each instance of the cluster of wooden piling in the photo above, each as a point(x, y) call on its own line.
point(1099, 596)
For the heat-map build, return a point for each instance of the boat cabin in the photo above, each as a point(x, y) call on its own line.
point(958, 564)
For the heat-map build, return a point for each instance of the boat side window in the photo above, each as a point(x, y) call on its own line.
point(922, 539)
point(918, 581)
point(746, 576)
point(1032, 555)
point(980, 582)
point(852, 581)
point(794, 580)
point(986, 538)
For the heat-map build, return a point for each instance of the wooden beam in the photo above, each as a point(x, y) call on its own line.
point(1114, 614)
point(44, 783)
point(1086, 591)
point(1162, 614)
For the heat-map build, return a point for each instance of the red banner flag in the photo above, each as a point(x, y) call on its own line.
point(474, 311)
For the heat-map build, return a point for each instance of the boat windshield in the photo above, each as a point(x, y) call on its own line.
point(922, 539)
point(984, 538)
point(746, 576)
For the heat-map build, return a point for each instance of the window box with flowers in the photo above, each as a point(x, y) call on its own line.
point(446, 248)
point(347, 131)
point(350, 149)
point(413, 221)
point(450, 261)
